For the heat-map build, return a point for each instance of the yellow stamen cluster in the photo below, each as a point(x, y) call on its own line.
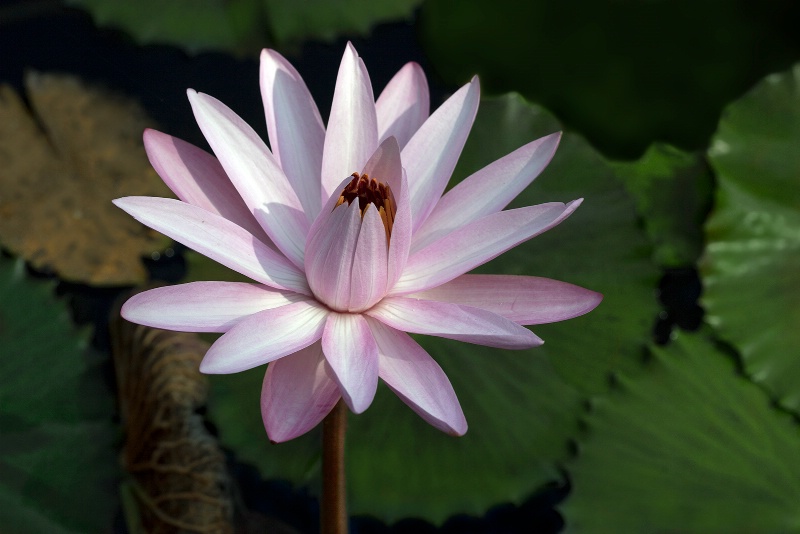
point(370, 191)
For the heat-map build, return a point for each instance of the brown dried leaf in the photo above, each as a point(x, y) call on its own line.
point(181, 483)
point(60, 167)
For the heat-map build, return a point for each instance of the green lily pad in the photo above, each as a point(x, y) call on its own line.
point(689, 446)
point(522, 407)
point(619, 72)
point(243, 26)
point(521, 416)
point(672, 189)
point(293, 22)
point(752, 260)
point(600, 247)
point(196, 25)
point(57, 457)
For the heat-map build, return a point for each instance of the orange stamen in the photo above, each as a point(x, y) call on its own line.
point(370, 191)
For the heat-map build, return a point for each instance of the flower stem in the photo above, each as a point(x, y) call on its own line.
point(334, 499)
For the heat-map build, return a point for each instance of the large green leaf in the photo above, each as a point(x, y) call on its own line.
point(243, 26)
point(752, 264)
point(624, 73)
point(600, 247)
point(291, 21)
point(520, 414)
point(196, 25)
point(520, 408)
point(673, 191)
point(57, 457)
point(688, 446)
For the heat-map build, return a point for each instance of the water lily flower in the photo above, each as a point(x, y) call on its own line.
point(350, 243)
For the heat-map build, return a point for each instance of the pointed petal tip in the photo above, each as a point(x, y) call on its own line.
point(125, 203)
point(416, 71)
point(413, 65)
point(350, 50)
point(125, 311)
point(593, 301)
point(357, 406)
point(276, 438)
point(268, 54)
point(551, 142)
point(198, 98)
point(208, 367)
point(459, 430)
point(278, 434)
point(554, 137)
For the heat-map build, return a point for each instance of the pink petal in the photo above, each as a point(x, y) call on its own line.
point(203, 306)
point(352, 134)
point(346, 254)
point(431, 155)
point(296, 132)
point(255, 174)
point(385, 166)
point(329, 256)
point(264, 337)
point(453, 321)
point(522, 299)
point(417, 379)
point(403, 105)
point(478, 242)
point(368, 273)
point(196, 177)
point(487, 191)
point(400, 242)
point(217, 238)
point(353, 357)
point(297, 394)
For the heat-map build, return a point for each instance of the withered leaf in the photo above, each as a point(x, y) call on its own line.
point(178, 476)
point(61, 164)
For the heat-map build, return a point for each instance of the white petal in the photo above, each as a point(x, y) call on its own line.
point(255, 174)
point(403, 105)
point(297, 393)
point(329, 257)
point(352, 354)
point(352, 134)
point(296, 132)
point(417, 379)
point(523, 299)
point(203, 306)
point(264, 337)
point(487, 191)
point(478, 242)
point(197, 178)
point(453, 321)
point(218, 238)
point(431, 155)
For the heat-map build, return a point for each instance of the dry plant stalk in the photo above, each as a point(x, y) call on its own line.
point(180, 479)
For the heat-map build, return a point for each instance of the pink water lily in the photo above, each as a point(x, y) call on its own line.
point(350, 242)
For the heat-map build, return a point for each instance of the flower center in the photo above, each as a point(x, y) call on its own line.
point(370, 191)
